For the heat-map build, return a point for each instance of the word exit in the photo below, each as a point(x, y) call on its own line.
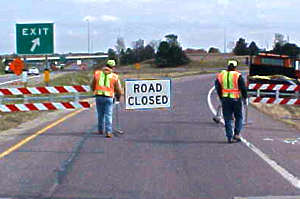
point(35, 31)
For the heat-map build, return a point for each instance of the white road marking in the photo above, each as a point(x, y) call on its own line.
point(213, 110)
point(282, 171)
point(268, 139)
point(11, 81)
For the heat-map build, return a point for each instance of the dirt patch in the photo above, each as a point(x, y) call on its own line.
point(284, 113)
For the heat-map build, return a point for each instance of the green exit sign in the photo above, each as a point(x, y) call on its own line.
point(35, 38)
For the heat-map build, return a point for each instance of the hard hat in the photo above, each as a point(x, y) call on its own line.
point(111, 63)
point(232, 62)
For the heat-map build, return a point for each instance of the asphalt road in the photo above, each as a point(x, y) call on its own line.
point(175, 154)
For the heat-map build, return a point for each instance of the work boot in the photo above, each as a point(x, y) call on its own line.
point(229, 141)
point(237, 138)
point(100, 132)
point(109, 135)
point(217, 119)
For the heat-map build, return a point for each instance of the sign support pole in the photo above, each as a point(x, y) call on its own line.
point(24, 73)
point(46, 68)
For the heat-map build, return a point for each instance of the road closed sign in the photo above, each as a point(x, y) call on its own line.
point(147, 94)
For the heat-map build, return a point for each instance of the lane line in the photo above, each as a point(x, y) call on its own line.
point(282, 171)
point(29, 138)
point(213, 110)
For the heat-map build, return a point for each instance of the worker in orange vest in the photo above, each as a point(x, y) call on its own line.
point(232, 91)
point(106, 86)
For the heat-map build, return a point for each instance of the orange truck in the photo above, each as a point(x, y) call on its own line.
point(274, 76)
point(274, 69)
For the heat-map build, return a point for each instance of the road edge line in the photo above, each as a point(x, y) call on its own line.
point(282, 171)
point(29, 138)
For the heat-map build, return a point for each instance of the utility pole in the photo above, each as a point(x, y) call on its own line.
point(88, 36)
point(225, 42)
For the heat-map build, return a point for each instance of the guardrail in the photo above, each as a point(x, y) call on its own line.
point(50, 94)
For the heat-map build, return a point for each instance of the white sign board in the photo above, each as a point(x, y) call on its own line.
point(147, 94)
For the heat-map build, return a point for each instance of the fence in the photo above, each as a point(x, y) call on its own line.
point(274, 93)
point(50, 94)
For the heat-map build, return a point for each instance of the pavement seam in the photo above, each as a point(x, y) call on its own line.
point(66, 165)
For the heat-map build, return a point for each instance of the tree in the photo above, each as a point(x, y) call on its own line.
point(154, 44)
point(169, 53)
point(123, 57)
point(241, 47)
point(291, 49)
point(172, 39)
point(138, 44)
point(148, 52)
point(253, 49)
point(120, 45)
point(130, 55)
point(277, 49)
point(112, 54)
point(213, 50)
point(287, 49)
point(161, 58)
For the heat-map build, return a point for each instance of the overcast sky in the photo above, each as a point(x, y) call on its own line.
point(198, 23)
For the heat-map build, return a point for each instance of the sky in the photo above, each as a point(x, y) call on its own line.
point(199, 24)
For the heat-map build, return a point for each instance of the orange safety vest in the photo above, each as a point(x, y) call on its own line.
point(229, 83)
point(105, 83)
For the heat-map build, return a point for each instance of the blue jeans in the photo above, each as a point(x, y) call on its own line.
point(230, 108)
point(104, 107)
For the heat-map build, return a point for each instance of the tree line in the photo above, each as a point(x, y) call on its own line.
point(242, 48)
point(169, 53)
point(166, 53)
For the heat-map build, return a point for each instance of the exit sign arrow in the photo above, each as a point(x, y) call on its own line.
point(36, 42)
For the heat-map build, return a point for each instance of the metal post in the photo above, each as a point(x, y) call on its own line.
point(46, 61)
point(246, 112)
point(277, 94)
point(297, 94)
point(76, 97)
point(88, 35)
point(118, 128)
point(24, 73)
point(25, 99)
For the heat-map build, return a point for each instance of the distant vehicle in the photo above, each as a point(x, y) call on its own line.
point(267, 68)
point(7, 69)
point(53, 67)
point(33, 71)
point(61, 66)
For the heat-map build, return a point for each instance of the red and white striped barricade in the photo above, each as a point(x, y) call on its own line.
point(48, 93)
point(287, 94)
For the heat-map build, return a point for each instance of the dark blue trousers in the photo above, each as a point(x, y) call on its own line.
point(232, 109)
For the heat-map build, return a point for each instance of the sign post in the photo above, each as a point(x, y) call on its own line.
point(138, 68)
point(147, 94)
point(35, 38)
